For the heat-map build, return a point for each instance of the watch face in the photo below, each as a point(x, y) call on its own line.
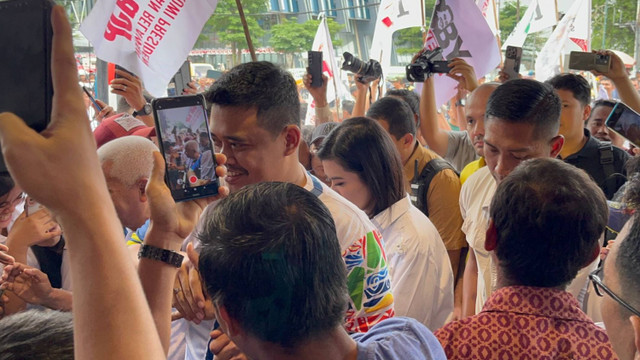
point(146, 109)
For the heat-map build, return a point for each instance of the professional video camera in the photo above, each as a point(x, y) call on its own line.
point(425, 65)
point(366, 72)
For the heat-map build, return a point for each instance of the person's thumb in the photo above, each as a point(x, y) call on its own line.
point(14, 135)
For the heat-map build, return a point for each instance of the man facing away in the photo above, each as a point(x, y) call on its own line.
point(546, 220)
point(271, 263)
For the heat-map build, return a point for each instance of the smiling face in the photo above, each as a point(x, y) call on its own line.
point(253, 154)
point(8, 204)
point(596, 123)
point(507, 144)
point(349, 185)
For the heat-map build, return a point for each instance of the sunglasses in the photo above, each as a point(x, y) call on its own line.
point(601, 288)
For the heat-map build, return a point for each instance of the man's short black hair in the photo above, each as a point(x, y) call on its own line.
point(549, 216)
point(578, 85)
point(526, 101)
point(6, 184)
point(270, 255)
point(269, 89)
point(361, 145)
point(409, 97)
point(397, 113)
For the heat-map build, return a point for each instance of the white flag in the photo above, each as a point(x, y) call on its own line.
point(460, 31)
point(322, 42)
point(488, 8)
point(150, 38)
point(540, 15)
point(581, 30)
point(548, 60)
point(393, 15)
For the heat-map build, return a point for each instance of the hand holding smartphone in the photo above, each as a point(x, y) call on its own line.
point(315, 68)
point(626, 122)
point(589, 61)
point(25, 35)
point(180, 80)
point(183, 133)
point(513, 56)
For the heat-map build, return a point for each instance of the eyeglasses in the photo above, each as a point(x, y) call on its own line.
point(600, 287)
point(13, 202)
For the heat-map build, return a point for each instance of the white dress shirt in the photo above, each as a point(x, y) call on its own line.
point(475, 198)
point(418, 263)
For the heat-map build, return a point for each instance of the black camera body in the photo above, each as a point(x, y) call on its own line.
point(425, 65)
point(365, 72)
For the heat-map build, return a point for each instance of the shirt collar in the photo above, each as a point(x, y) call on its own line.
point(589, 147)
point(529, 300)
point(388, 216)
point(409, 167)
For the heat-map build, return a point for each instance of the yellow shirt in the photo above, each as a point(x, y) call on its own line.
point(442, 198)
point(471, 168)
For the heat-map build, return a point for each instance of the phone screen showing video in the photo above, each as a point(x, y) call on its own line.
point(181, 123)
point(625, 122)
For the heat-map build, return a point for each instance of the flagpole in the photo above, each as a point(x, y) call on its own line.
point(557, 20)
point(495, 20)
point(331, 61)
point(245, 26)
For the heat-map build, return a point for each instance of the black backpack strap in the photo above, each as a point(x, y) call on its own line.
point(420, 184)
point(606, 161)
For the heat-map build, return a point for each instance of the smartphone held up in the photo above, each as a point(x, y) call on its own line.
point(185, 143)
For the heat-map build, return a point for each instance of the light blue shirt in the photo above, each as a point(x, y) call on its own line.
point(398, 338)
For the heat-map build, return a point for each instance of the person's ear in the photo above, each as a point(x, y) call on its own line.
point(142, 186)
point(635, 323)
point(556, 146)
point(407, 140)
point(292, 137)
point(586, 113)
point(228, 324)
point(491, 238)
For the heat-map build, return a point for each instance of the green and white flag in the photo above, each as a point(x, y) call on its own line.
point(540, 15)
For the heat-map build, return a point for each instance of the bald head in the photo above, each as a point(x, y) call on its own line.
point(474, 114)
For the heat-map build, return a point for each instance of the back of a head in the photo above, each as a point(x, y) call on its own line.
point(361, 145)
point(270, 255)
point(130, 158)
point(6, 183)
point(526, 101)
point(408, 96)
point(35, 334)
point(577, 84)
point(271, 90)
point(397, 113)
point(549, 216)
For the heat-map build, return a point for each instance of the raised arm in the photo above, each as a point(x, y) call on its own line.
point(108, 299)
point(618, 75)
point(437, 139)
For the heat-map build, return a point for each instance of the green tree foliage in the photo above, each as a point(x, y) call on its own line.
point(226, 23)
point(508, 18)
point(620, 19)
point(292, 37)
point(411, 40)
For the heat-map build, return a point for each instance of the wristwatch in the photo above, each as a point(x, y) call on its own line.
point(164, 255)
point(146, 110)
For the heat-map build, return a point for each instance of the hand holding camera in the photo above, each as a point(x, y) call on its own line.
point(365, 72)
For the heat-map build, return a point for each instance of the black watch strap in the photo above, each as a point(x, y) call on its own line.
point(164, 255)
point(146, 110)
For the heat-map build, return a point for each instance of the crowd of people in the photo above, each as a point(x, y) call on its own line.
point(381, 236)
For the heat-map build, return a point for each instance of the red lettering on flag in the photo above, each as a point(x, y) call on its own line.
point(387, 21)
point(580, 42)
